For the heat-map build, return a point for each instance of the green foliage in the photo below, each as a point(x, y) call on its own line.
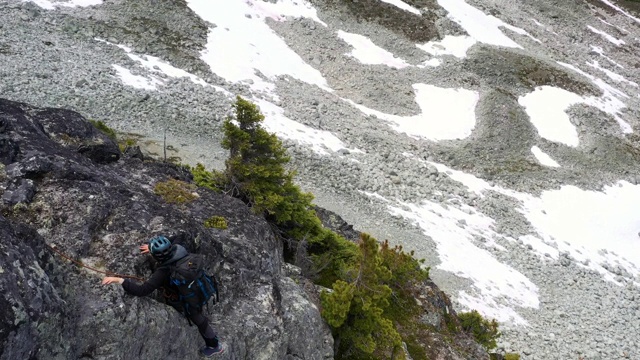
point(356, 307)
point(123, 144)
point(175, 191)
point(104, 129)
point(408, 274)
point(483, 330)
point(256, 173)
point(217, 222)
point(212, 180)
point(256, 170)
point(511, 356)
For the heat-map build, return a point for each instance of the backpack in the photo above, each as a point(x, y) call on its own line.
point(195, 287)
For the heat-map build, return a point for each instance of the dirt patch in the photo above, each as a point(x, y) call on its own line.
point(505, 68)
point(416, 28)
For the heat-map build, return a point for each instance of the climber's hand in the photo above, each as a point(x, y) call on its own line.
point(144, 249)
point(112, 280)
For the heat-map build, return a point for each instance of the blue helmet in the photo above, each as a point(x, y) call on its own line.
point(160, 248)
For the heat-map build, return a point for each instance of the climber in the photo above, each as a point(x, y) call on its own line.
point(167, 255)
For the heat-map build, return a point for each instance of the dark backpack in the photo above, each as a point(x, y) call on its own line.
point(195, 287)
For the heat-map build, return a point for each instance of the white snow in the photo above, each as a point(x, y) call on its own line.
point(430, 63)
point(51, 4)
point(158, 69)
point(450, 45)
point(445, 113)
point(546, 107)
point(137, 81)
point(621, 11)
point(599, 51)
point(484, 28)
point(276, 122)
point(610, 38)
point(615, 26)
point(458, 254)
point(403, 5)
point(609, 102)
point(365, 51)
point(240, 48)
point(537, 22)
point(596, 228)
point(610, 74)
point(543, 157)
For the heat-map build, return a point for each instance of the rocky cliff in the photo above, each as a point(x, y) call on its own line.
point(68, 191)
point(66, 185)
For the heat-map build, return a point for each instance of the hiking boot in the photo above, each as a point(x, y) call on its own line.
point(208, 351)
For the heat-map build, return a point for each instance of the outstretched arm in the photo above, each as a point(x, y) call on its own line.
point(112, 280)
point(159, 278)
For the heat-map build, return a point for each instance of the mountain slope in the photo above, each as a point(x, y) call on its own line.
point(498, 140)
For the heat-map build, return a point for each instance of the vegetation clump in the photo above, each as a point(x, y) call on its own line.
point(217, 222)
point(483, 330)
point(175, 191)
point(104, 129)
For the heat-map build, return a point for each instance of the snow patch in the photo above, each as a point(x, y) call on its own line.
point(621, 11)
point(454, 230)
point(276, 122)
point(543, 158)
point(365, 51)
point(597, 229)
point(480, 26)
point(610, 74)
point(243, 48)
point(450, 45)
point(158, 67)
point(609, 102)
point(137, 81)
point(610, 38)
point(599, 51)
point(52, 4)
point(403, 5)
point(445, 113)
point(546, 107)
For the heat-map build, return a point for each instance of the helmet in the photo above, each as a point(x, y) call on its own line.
point(160, 248)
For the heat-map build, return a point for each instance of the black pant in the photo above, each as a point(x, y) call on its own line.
point(208, 334)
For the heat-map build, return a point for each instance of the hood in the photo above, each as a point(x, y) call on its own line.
point(177, 255)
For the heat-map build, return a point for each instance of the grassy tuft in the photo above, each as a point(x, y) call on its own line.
point(104, 129)
point(175, 191)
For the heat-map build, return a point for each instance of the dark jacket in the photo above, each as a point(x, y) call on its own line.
point(159, 278)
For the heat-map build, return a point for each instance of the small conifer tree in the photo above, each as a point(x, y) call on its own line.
point(356, 309)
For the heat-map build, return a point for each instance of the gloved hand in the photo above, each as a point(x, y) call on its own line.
point(112, 280)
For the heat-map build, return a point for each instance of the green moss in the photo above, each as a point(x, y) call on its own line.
point(175, 191)
point(217, 222)
point(511, 356)
point(104, 129)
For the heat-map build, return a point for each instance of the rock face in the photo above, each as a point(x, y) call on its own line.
point(65, 184)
